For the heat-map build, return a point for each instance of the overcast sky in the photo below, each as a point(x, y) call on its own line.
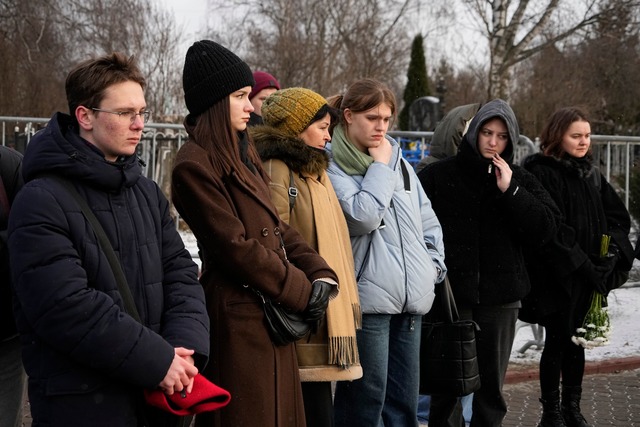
point(461, 47)
point(190, 13)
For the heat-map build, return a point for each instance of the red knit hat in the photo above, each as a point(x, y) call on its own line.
point(263, 81)
point(205, 397)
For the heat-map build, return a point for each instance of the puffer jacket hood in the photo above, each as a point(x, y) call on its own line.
point(298, 156)
point(496, 108)
point(449, 132)
point(58, 149)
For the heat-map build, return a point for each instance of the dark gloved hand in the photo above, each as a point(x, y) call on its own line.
point(608, 263)
point(595, 276)
point(318, 302)
point(614, 277)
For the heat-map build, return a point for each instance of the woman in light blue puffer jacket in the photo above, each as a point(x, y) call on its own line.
point(398, 255)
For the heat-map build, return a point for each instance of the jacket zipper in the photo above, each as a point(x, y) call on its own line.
point(404, 261)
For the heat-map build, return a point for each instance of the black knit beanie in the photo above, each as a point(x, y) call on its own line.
point(212, 72)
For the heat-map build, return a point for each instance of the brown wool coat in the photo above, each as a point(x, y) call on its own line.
point(238, 231)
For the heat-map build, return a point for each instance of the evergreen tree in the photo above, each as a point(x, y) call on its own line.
point(417, 81)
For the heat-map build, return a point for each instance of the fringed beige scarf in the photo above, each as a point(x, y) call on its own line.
point(343, 314)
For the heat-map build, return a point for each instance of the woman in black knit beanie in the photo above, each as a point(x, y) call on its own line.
point(221, 190)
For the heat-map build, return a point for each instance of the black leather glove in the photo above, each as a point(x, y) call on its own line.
point(608, 263)
point(614, 277)
point(318, 302)
point(595, 276)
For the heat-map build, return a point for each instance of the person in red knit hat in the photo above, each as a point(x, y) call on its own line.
point(265, 85)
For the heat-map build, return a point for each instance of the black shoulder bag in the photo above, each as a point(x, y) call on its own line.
point(448, 358)
point(284, 325)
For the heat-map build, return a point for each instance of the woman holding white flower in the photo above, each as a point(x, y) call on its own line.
point(576, 266)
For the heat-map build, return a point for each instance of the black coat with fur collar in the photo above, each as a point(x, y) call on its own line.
point(590, 207)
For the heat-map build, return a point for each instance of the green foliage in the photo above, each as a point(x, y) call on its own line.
point(417, 81)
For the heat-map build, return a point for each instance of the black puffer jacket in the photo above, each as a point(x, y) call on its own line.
point(76, 338)
point(485, 230)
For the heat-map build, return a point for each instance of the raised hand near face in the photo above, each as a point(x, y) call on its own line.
point(503, 172)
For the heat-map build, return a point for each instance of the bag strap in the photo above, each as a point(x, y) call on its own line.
point(106, 247)
point(293, 192)
point(405, 177)
point(448, 302)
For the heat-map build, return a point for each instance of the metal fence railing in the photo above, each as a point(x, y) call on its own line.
point(615, 155)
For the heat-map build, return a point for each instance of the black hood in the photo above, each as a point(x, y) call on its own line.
point(493, 109)
point(59, 150)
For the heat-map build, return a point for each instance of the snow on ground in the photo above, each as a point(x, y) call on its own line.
point(625, 333)
point(191, 244)
point(623, 307)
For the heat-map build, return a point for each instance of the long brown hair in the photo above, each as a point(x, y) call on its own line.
point(556, 127)
point(212, 130)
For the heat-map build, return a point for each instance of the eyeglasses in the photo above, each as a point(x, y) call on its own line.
point(144, 115)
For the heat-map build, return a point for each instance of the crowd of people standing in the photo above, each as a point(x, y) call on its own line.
point(304, 201)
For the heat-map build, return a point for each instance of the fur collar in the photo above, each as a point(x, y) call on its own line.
point(298, 156)
point(581, 167)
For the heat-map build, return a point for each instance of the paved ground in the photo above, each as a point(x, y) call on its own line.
point(611, 394)
point(608, 399)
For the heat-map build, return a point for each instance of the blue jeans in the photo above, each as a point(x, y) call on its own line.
point(387, 394)
point(12, 378)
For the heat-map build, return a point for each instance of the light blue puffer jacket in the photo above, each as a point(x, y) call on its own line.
point(395, 235)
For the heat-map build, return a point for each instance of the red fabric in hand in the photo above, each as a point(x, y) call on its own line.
point(205, 397)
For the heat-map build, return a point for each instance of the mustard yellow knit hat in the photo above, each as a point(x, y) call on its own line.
point(291, 110)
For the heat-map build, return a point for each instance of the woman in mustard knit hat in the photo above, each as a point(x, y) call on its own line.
point(291, 144)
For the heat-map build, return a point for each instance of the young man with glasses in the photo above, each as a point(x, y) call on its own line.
point(87, 357)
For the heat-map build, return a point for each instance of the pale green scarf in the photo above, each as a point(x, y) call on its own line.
point(351, 160)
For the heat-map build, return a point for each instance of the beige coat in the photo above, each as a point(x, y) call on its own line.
point(317, 215)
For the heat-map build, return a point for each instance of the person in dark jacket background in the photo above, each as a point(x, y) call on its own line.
point(265, 85)
point(490, 210)
point(12, 375)
point(569, 268)
point(448, 133)
point(87, 359)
